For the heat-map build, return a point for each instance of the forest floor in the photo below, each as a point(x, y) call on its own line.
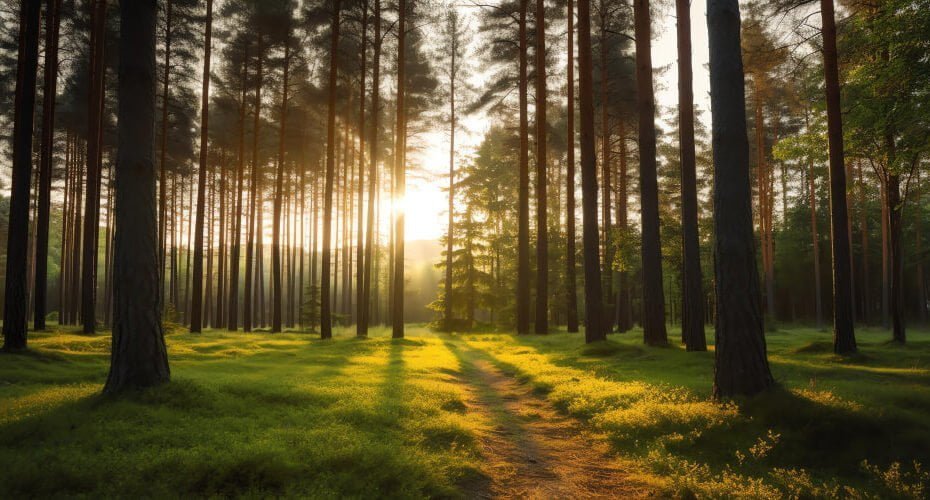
point(476, 415)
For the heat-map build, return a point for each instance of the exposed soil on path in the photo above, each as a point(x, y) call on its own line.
point(530, 449)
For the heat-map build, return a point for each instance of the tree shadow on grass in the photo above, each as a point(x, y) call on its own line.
point(815, 430)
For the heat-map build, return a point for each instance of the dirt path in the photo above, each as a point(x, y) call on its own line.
point(533, 451)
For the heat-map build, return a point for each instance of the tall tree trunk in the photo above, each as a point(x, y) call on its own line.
point(692, 318)
point(622, 308)
point(219, 319)
point(50, 92)
point(139, 357)
point(94, 149)
point(885, 260)
point(450, 235)
point(606, 169)
point(919, 255)
point(400, 182)
point(233, 309)
point(741, 364)
point(653, 296)
point(365, 309)
point(542, 131)
point(815, 242)
point(844, 339)
point(163, 171)
point(15, 310)
point(765, 230)
point(255, 186)
point(326, 320)
point(570, 232)
point(894, 209)
point(361, 329)
point(864, 235)
point(197, 301)
point(279, 188)
point(594, 317)
point(523, 210)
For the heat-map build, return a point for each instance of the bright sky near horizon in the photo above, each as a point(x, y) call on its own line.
point(426, 202)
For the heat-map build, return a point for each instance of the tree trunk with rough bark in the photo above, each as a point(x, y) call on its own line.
point(570, 232)
point(139, 357)
point(741, 364)
point(50, 91)
point(594, 316)
point(692, 287)
point(844, 338)
point(326, 321)
point(14, 312)
point(654, 332)
point(196, 318)
point(542, 221)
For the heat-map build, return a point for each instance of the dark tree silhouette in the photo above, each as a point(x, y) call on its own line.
point(542, 130)
point(844, 338)
point(400, 182)
point(523, 208)
point(95, 104)
point(364, 317)
point(741, 365)
point(50, 93)
point(692, 321)
point(139, 357)
point(326, 315)
point(653, 294)
point(197, 297)
point(15, 301)
point(595, 326)
point(571, 266)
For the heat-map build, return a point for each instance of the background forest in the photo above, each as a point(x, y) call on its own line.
point(403, 191)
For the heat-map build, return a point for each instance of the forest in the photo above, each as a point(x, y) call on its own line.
point(465, 248)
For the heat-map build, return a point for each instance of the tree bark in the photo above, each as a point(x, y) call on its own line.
point(741, 365)
point(365, 310)
point(844, 339)
point(594, 320)
point(279, 188)
point(139, 357)
point(50, 92)
point(570, 232)
point(233, 309)
point(163, 171)
point(450, 234)
point(523, 210)
point(255, 186)
point(326, 321)
point(400, 183)
point(542, 131)
point(815, 244)
point(197, 297)
point(15, 310)
point(653, 295)
point(359, 230)
point(692, 287)
point(94, 146)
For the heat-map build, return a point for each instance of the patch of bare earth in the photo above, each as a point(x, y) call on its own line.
point(533, 451)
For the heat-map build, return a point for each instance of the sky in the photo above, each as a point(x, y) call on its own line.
point(426, 203)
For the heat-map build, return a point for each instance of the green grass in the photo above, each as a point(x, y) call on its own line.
point(244, 414)
point(836, 426)
point(290, 415)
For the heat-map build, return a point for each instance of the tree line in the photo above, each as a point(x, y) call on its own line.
point(312, 112)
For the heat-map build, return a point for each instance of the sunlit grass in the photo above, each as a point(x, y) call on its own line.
point(811, 437)
point(268, 415)
point(291, 415)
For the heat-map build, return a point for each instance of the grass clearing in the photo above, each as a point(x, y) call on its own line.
point(837, 426)
point(290, 415)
